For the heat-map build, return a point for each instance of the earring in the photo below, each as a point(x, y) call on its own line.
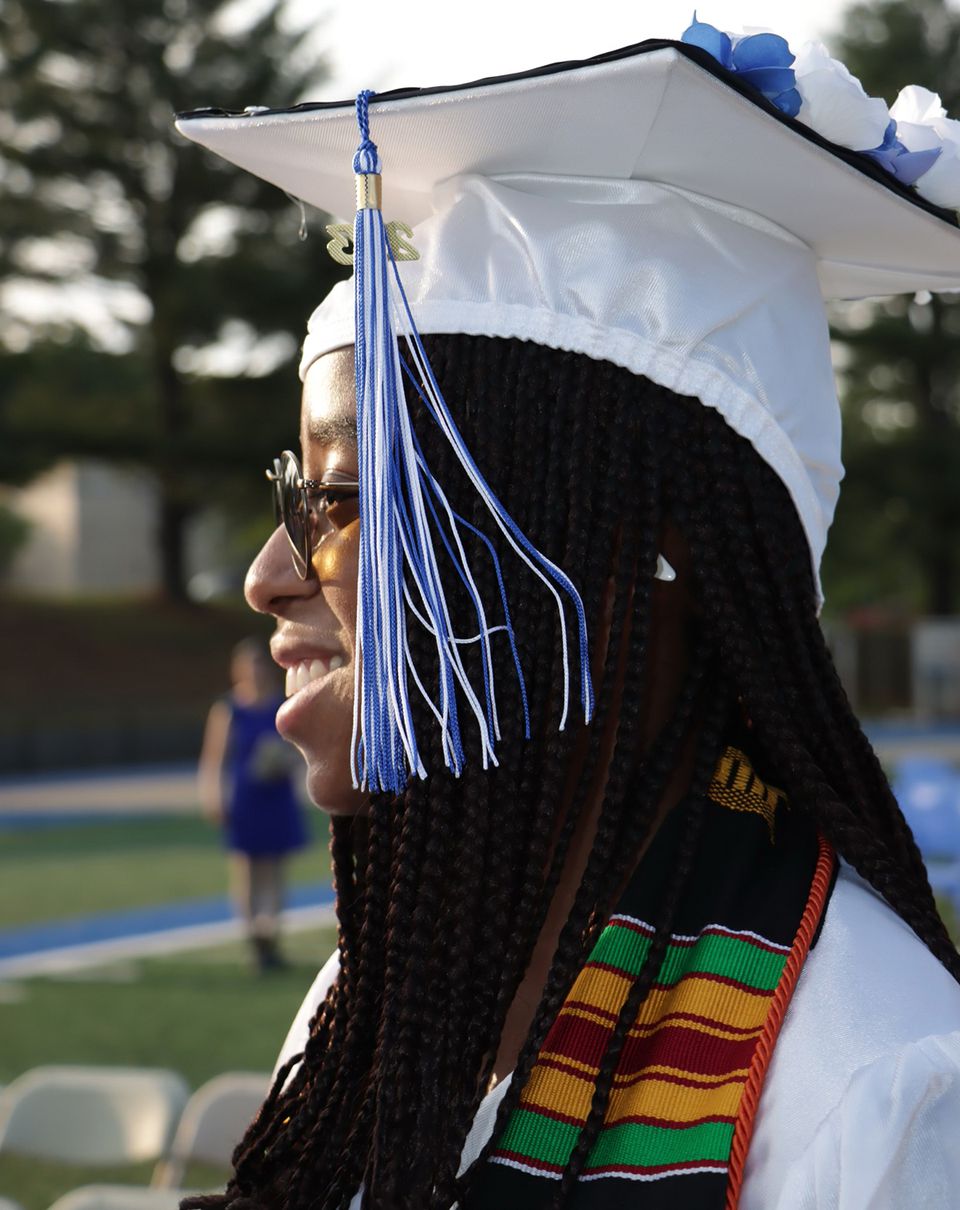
point(664, 570)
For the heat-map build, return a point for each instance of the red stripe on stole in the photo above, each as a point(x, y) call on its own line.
point(639, 1169)
point(654, 1169)
point(629, 1081)
point(636, 1119)
point(527, 1160)
point(685, 1081)
point(668, 1019)
point(688, 1049)
point(579, 1039)
point(725, 980)
point(681, 1046)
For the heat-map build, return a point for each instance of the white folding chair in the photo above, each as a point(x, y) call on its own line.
point(213, 1123)
point(119, 1197)
point(92, 1115)
point(7, 1204)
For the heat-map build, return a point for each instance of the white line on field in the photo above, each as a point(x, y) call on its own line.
point(170, 941)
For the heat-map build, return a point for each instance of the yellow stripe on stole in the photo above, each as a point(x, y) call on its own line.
point(570, 1095)
point(759, 798)
point(660, 1092)
point(702, 996)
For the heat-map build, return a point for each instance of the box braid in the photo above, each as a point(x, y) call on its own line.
point(708, 751)
point(444, 889)
point(756, 590)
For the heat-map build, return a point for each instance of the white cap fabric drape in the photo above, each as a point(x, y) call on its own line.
point(705, 298)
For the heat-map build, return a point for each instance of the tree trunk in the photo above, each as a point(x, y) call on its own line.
point(939, 576)
point(171, 532)
point(173, 421)
point(937, 560)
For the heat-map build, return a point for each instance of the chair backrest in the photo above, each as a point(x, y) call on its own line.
point(213, 1122)
point(92, 1115)
point(928, 791)
point(119, 1197)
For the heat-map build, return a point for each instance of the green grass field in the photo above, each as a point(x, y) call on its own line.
point(950, 918)
point(79, 869)
point(200, 1013)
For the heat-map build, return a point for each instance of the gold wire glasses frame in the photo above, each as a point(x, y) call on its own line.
point(301, 505)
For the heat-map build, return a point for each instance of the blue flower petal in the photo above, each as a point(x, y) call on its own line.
point(890, 140)
point(710, 39)
point(762, 50)
point(789, 102)
point(883, 157)
point(907, 166)
point(770, 80)
point(911, 165)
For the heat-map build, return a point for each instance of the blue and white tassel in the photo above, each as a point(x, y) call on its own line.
point(402, 507)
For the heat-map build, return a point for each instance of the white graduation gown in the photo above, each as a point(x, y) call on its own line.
point(860, 1109)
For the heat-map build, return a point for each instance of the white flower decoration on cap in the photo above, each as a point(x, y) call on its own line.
point(835, 103)
point(923, 125)
point(821, 92)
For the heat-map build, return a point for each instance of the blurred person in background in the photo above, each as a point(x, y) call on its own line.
point(247, 785)
point(683, 950)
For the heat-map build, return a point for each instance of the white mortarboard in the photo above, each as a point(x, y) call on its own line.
point(649, 207)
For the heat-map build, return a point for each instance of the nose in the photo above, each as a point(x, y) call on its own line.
point(272, 581)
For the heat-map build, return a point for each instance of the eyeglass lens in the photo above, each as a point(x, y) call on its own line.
point(294, 507)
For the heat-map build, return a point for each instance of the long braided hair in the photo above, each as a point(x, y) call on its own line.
point(443, 890)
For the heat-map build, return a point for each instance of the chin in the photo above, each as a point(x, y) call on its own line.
point(330, 788)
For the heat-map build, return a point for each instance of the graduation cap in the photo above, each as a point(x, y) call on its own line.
point(664, 207)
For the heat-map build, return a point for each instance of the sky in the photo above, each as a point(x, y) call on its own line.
point(380, 45)
point(376, 44)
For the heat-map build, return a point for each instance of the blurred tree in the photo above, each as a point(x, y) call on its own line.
point(14, 531)
point(151, 296)
point(897, 533)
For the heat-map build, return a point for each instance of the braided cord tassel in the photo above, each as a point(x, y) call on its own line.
point(406, 521)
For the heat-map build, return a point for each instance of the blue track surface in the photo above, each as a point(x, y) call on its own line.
point(68, 777)
point(38, 821)
point(886, 730)
point(112, 926)
point(85, 930)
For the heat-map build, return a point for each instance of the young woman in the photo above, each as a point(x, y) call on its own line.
point(246, 784)
point(685, 954)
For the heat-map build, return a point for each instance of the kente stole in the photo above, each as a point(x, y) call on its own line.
point(685, 1090)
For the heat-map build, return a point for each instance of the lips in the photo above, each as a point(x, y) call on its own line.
point(312, 665)
point(303, 672)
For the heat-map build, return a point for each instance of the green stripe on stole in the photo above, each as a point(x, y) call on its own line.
point(630, 1143)
point(714, 954)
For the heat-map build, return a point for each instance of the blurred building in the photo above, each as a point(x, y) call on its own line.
point(907, 666)
point(93, 533)
point(935, 667)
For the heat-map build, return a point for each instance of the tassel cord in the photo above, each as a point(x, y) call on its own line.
point(462, 567)
point(425, 575)
point(403, 512)
point(547, 571)
point(383, 726)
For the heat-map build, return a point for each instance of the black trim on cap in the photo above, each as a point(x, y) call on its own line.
point(862, 163)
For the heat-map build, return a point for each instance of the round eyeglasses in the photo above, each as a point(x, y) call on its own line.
point(301, 505)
